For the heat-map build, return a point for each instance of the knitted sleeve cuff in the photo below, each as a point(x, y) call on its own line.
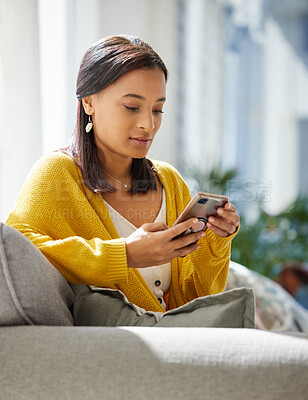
point(220, 244)
point(116, 259)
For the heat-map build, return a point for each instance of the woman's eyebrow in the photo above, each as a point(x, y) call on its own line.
point(137, 96)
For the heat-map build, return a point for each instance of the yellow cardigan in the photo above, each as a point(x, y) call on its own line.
point(73, 229)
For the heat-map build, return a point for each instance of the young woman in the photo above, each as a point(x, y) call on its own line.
point(100, 210)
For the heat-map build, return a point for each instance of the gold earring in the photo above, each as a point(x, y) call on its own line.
point(89, 125)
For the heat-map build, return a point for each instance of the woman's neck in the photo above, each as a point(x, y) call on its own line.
point(116, 166)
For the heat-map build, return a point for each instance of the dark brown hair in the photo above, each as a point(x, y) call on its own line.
point(104, 63)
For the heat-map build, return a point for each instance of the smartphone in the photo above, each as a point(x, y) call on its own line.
point(201, 206)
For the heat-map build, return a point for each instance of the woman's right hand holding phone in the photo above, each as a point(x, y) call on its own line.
point(156, 244)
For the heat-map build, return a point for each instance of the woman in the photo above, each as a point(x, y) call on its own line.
point(100, 210)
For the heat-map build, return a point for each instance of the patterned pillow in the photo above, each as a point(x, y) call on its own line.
point(276, 309)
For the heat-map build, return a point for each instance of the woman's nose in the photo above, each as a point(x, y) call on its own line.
point(146, 121)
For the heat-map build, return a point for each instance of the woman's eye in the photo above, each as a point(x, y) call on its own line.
point(135, 109)
point(131, 108)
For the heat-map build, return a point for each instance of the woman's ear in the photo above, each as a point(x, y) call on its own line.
point(87, 103)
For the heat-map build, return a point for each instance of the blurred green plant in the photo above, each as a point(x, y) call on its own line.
point(213, 181)
point(265, 244)
point(270, 241)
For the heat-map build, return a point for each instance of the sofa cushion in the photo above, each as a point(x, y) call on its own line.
point(77, 363)
point(32, 291)
point(95, 306)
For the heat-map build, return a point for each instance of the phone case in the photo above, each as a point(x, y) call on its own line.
point(202, 206)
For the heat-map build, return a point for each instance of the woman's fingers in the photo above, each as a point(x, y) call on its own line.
point(226, 221)
point(219, 231)
point(181, 228)
point(155, 227)
point(184, 251)
point(187, 240)
point(222, 225)
point(229, 214)
point(229, 206)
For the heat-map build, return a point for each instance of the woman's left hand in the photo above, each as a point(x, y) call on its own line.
point(226, 222)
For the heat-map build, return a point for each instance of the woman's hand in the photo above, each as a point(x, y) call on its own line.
point(226, 222)
point(155, 244)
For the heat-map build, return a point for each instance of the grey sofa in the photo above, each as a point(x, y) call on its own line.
point(44, 356)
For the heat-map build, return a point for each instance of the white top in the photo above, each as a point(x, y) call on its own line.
point(158, 278)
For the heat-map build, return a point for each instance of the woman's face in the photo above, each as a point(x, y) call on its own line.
point(128, 113)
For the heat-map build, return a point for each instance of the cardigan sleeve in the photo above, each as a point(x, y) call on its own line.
point(204, 271)
point(55, 213)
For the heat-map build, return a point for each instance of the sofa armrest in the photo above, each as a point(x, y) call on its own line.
point(40, 362)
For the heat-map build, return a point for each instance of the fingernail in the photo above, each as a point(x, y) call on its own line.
point(219, 211)
point(202, 234)
point(211, 220)
point(195, 220)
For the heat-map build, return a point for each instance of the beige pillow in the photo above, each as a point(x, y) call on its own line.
point(106, 307)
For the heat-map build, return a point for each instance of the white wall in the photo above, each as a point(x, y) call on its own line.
point(20, 111)
point(201, 103)
point(53, 71)
point(286, 86)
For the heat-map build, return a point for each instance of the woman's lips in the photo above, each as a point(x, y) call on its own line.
point(141, 141)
